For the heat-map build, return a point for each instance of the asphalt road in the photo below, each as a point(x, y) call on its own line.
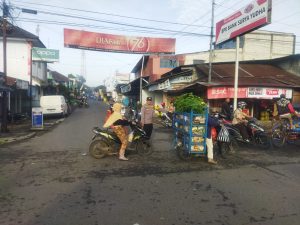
point(50, 180)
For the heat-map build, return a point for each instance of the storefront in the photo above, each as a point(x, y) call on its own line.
point(260, 100)
point(132, 90)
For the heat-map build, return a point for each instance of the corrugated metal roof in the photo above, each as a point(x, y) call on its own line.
point(249, 74)
point(59, 77)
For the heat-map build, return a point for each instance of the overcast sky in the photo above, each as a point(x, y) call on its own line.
point(102, 65)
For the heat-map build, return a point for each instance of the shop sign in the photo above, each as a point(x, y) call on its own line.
point(268, 93)
point(253, 16)
point(45, 55)
point(125, 88)
point(164, 85)
point(22, 84)
point(225, 92)
point(183, 79)
point(249, 92)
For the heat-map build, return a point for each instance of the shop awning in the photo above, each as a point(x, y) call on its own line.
point(5, 88)
point(133, 88)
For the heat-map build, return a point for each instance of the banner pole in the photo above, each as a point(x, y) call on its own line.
point(141, 80)
point(236, 74)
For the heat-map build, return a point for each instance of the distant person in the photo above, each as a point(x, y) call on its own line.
point(147, 113)
point(226, 110)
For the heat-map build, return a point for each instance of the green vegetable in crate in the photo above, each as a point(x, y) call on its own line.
point(189, 102)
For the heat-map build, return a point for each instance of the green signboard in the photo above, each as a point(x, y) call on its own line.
point(45, 55)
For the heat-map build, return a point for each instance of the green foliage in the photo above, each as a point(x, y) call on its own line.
point(189, 102)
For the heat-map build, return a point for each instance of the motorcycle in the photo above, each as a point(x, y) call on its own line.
point(283, 134)
point(166, 121)
point(257, 135)
point(105, 142)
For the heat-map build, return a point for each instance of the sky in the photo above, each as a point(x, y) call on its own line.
point(193, 16)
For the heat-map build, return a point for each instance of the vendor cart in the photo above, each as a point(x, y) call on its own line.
point(190, 132)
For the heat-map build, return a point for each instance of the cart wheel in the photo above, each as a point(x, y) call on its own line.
point(182, 154)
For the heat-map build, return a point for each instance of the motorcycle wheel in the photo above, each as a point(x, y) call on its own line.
point(99, 148)
point(143, 147)
point(182, 154)
point(263, 141)
point(278, 138)
point(229, 147)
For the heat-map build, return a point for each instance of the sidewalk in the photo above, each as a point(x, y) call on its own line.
point(21, 130)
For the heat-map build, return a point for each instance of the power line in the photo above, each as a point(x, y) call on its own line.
point(111, 14)
point(116, 23)
point(150, 30)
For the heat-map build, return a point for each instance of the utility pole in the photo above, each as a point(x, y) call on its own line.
point(211, 41)
point(4, 95)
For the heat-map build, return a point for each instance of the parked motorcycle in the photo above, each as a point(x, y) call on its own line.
point(105, 142)
point(166, 121)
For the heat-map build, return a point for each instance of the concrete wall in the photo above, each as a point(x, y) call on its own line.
point(18, 64)
point(258, 45)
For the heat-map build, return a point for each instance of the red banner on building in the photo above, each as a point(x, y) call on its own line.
point(248, 92)
point(225, 92)
point(117, 43)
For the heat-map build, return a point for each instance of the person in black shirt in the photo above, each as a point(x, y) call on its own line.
point(226, 110)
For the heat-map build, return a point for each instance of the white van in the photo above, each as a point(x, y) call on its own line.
point(54, 105)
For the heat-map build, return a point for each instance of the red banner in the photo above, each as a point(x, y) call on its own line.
point(248, 92)
point(117, 43)
point(225, 92)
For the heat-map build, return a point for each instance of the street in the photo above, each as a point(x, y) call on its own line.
point(51, 180)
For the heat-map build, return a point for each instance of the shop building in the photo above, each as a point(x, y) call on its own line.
point(20, 67)
point(260, 82)
point(256, 45)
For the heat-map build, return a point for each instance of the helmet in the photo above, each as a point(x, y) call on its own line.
point(282, 96)
point(242, 105)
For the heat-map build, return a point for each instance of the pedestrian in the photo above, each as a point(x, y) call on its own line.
point(147, 113)
point(118, 124)
point(212, 122)
point(226, 110)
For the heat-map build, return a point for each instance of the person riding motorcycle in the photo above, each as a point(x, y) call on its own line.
point(285, 110)
point(240, 120)
point(117, 122)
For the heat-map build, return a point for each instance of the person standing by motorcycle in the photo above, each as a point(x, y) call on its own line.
point(240, 120)
point(226, 110)
point(212, 122)
point(118, 124)
point(147, 113)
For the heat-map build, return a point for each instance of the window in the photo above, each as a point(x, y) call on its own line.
point(168, 63)
point(230, 44)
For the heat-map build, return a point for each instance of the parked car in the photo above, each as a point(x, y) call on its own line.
point(54, 105)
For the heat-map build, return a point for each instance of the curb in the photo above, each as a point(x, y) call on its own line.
point(8, 140)
point(14, 139)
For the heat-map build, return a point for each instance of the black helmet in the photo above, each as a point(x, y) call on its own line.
point(242, 104)
point(282, 96)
